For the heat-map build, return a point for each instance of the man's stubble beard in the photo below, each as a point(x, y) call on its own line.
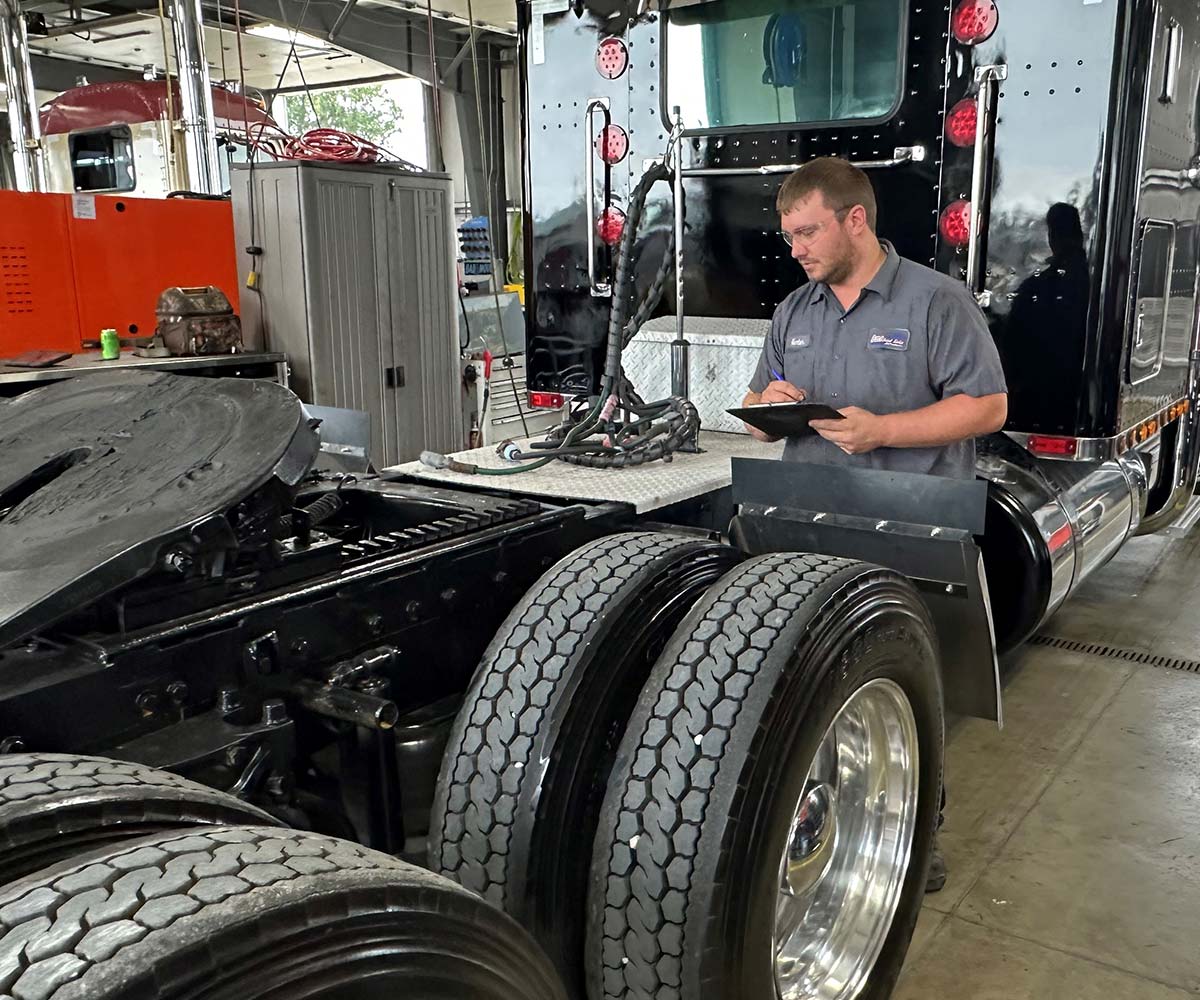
point(840, 269)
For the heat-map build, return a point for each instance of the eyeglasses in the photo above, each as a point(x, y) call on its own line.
point(807, 234)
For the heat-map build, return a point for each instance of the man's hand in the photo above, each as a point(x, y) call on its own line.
point(782, 392)
point(775, 392)
point(859, 433)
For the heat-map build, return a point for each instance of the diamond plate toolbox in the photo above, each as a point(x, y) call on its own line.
point(722, 355)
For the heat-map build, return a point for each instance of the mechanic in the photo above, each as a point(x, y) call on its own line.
point(900, 350)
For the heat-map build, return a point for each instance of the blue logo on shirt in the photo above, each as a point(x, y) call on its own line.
point(888, 340)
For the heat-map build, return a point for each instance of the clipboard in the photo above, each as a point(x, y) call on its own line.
point(785, 419)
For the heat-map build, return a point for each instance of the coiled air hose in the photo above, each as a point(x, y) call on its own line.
point(649, 431)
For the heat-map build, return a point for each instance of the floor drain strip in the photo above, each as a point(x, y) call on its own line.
point(1117, 653)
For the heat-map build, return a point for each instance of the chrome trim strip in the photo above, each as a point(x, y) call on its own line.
point(1092, 449)
point(1086, 449)
point(900, 155)
point(988, 79)
point(680, 368)
point(601, 290)
point(1174, 51)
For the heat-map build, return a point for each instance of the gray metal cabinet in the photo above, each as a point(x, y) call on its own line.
point(357, 287)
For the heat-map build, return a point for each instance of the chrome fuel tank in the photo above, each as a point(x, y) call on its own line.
point(1050, 526)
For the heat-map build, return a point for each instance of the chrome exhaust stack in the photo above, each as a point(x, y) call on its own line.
point(1050, 525)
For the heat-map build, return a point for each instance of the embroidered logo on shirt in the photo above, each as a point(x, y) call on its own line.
point(799, 341)
point(888, 340)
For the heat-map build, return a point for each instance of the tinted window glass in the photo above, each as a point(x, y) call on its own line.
point(758, 62)
point(102, 161)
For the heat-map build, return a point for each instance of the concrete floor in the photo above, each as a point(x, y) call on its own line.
point(1073, 835)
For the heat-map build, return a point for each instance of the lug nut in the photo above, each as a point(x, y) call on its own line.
point(228, 701)
point(274, 712)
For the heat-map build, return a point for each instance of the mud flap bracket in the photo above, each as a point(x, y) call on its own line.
point(921, 526)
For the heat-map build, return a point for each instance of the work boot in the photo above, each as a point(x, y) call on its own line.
point(936, 881)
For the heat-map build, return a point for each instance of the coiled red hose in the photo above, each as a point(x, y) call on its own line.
point(326, 144)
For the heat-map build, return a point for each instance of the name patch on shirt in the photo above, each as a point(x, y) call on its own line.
point(802, 341)
point(888, 340)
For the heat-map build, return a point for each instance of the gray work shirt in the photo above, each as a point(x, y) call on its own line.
point(914, 337)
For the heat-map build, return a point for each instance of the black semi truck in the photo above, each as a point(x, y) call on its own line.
point(672, 708)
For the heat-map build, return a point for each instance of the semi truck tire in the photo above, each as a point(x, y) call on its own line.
point(242, 913)
point(528, 758)
point(55, 805)
point(785, 752)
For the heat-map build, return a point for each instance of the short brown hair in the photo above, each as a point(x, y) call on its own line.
point(840, 183)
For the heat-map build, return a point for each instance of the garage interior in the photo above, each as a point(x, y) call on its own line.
point(1068, 833)
point(391, 603)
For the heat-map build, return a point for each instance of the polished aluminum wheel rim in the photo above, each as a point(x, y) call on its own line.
point(848, 849)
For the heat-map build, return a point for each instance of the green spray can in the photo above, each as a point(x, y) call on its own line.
point(110, 345)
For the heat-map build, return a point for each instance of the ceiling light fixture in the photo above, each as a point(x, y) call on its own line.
point(281, 34)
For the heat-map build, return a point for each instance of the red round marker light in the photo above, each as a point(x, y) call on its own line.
point(973, 21)
point(612, 58)
point(961, 122)
point(612, 144)
point(611, 225)
point(955, 224)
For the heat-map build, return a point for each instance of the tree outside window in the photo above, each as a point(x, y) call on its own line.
point(367, 111)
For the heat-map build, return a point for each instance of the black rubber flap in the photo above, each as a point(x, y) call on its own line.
point(96, 472)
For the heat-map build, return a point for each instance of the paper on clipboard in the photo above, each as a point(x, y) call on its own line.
point(785, 419)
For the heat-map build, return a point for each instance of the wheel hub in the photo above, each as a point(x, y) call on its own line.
point(848, 848)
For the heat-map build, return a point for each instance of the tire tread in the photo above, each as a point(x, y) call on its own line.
point(58, 924)
point(638, 945)
point(494, 740)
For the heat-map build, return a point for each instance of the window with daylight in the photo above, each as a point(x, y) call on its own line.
point(767, 62)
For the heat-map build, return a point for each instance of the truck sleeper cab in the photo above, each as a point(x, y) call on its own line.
point(1047, 155)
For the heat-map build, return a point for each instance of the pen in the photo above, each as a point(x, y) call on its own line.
point(778, 377)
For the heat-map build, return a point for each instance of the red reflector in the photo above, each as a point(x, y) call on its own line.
point(1059, 538)
point(611, 58)
point(611, 225)
point(960, 123)
point(1046, 444)
point(546, 400)
point(612, 144)
point(955, 224)
point(973, 21)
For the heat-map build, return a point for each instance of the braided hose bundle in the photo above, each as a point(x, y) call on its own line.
point(662, 427)
point(647, 432)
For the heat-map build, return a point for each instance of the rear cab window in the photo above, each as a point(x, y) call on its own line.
point(103, 160)
point(732, 63)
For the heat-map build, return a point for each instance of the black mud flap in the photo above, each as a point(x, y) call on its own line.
point(921, 526)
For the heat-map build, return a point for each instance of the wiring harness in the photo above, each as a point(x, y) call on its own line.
point(619, 429)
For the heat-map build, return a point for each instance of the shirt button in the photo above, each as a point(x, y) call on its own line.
point(835, 395)
point(841, 321)
point(837, 357)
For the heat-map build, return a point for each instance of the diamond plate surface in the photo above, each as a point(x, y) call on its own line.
point(646, 487)
point(722, 357)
